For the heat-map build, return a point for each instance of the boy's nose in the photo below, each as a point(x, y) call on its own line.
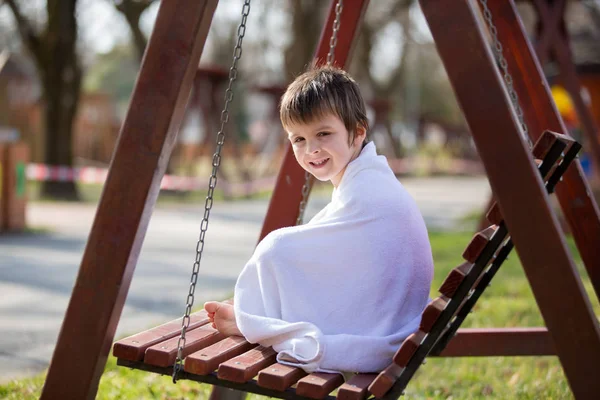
point(312, 148)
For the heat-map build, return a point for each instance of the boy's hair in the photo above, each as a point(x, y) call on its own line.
point(321, 91)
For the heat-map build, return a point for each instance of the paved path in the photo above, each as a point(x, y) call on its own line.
point(37, 271)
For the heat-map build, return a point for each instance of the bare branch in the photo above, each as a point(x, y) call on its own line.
point(387, 16)
point(397, 75)
point(29, 37)
point(132, 10)
point(366, 45)
point(593, 7)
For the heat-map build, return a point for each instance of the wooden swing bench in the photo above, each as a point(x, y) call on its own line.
point(234, 363)
point(500, 132)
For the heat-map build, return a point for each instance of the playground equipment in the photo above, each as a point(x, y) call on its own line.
point(237, 362)
point(552, 44)
point(523, 216)
point(13, 186)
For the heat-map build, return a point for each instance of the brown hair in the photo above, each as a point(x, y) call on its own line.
point(321, 91)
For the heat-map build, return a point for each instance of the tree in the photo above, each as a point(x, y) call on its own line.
point(307, 18)
point(132, 10)
point(114, 73)
point(593, 8)
point(54, 53)
point(382, 14)
point(9, 37)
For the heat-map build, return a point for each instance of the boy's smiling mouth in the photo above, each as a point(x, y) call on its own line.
point(319, 163)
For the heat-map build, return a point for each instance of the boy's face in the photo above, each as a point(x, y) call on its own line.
point(322, 147)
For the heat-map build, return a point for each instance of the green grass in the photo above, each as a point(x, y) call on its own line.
point(508, 302)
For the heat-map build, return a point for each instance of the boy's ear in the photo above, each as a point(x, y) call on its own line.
point(360, 133)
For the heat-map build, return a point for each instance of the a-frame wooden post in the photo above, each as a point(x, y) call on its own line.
point(139, 162)
point(462, 44)
point(553, 44)
point(283, 207)
point(574, 194)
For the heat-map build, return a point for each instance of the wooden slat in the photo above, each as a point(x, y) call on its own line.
point(454, 278)
point(478, 243)
point(356, 388)
point(245, 366)
point(385, 380)
point(432, 312)
point(494, 215)
point(463, 46)
point(279, 376)
point(208, 359)
point(164, 354)
point(408, 348)
point(546, 141)
point(318, 384)
point(146, 139)
point(540, 150)
point(134, 347)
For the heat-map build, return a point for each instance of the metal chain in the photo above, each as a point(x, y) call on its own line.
point(212, 184)
point(330, 59)
point(305, 193)
point(336, 27)
point(508, 80)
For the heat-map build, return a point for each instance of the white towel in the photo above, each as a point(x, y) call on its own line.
point(342, 292)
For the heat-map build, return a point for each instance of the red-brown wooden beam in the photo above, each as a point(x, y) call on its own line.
point(488, 342)
point(463, 46)
point(139, 162)
point(283, 207)
point(550, 26)
point(553, 43)
point(540, 113)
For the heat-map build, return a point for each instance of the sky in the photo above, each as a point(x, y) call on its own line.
point(102, 27)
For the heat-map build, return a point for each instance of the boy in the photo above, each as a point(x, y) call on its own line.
point(343, 291)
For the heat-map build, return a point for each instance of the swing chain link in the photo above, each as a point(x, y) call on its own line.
point(336, 27)
point(212, 184)
point(305, 192)
point(330, 59)
point(508, 80)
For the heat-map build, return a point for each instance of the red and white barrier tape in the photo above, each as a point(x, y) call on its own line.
point(93, 175)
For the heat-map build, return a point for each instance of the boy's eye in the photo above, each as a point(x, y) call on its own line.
point(298, 139)
point(322, 133)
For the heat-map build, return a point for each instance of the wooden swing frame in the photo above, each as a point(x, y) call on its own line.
point(161, 91)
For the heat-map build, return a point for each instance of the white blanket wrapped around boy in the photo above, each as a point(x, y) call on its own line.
point(342, 292)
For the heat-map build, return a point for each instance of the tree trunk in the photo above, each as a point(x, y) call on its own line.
point(132, 10)
point(57, 63)
point(61, 80)
point(61, 107)
point(138, 36)
point(307, 19)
